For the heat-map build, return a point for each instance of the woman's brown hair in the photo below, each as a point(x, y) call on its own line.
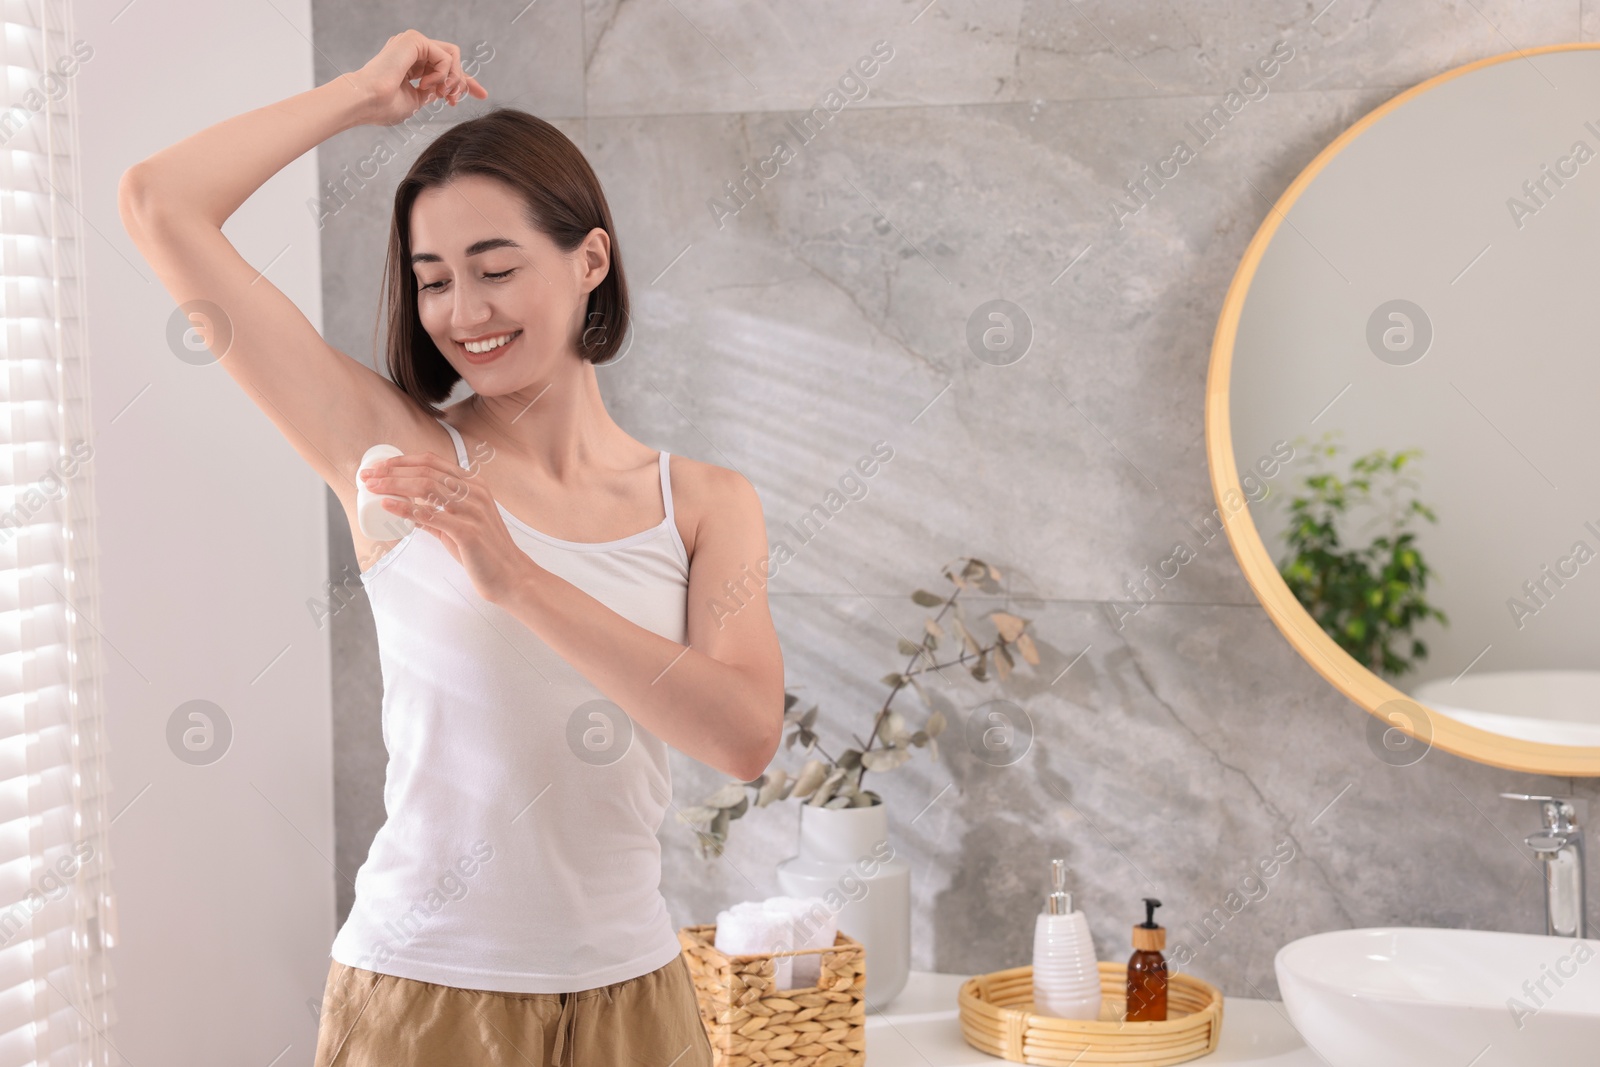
point(564, 201)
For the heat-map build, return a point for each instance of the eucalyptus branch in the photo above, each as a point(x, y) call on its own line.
point(905, 676)
point(836, 782)
point(958, 662)
point(818, 746)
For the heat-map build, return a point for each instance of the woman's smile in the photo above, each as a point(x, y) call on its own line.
point(486, 348)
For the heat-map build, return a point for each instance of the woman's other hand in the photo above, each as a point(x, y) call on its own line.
point(436, 65)
point(456, 508)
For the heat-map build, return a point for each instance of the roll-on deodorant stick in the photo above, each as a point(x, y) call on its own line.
point(376, 523)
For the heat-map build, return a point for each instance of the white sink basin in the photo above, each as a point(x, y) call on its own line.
point(1555, 707)
point(1418, 997)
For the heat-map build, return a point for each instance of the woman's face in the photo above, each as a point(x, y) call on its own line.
point(487, 280)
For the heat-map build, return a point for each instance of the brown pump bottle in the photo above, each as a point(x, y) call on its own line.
point(1147, 969)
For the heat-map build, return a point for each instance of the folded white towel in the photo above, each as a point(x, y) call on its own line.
point(814, 926)
point(780, 924)
point(749, 928)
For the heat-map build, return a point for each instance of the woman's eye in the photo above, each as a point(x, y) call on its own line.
point(436, 286)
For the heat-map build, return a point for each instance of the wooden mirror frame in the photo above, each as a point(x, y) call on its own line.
point(1344, 671)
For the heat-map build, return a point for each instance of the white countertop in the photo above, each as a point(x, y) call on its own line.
point(921, 1028)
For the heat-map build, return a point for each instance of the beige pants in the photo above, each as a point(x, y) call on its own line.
point(378, 1020)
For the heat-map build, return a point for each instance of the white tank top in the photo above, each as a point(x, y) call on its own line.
point(519, 853)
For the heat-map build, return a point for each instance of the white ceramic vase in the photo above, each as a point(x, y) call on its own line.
point(847, 860)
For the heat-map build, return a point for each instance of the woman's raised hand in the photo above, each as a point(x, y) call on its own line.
point(436, 66)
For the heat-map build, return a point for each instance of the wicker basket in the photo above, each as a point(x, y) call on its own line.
point(750, 1022)
point(996, 1018)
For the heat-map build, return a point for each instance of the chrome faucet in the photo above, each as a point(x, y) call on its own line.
point(1560, 846)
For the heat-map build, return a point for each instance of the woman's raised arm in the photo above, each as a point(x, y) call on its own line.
point(330, 407)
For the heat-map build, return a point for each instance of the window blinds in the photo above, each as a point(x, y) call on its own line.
point(57, 914)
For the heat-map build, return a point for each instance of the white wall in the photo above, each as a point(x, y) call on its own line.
point(213, 538)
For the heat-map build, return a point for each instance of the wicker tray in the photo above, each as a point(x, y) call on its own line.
point(752, 1023)
point(996, 1018)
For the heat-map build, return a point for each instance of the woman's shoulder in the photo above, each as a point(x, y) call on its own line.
point(694, 481)
point(704, 493)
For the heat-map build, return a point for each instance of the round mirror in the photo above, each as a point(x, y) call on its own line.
point(1400, 414)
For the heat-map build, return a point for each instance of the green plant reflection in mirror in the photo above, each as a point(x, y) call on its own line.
point(1367, 597)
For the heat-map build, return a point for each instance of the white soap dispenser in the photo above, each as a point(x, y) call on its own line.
point(1066, 978)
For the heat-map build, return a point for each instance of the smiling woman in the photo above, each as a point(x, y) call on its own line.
point(499, 174)
point(532, 680)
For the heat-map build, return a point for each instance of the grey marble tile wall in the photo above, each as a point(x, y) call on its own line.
point(785, 334)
